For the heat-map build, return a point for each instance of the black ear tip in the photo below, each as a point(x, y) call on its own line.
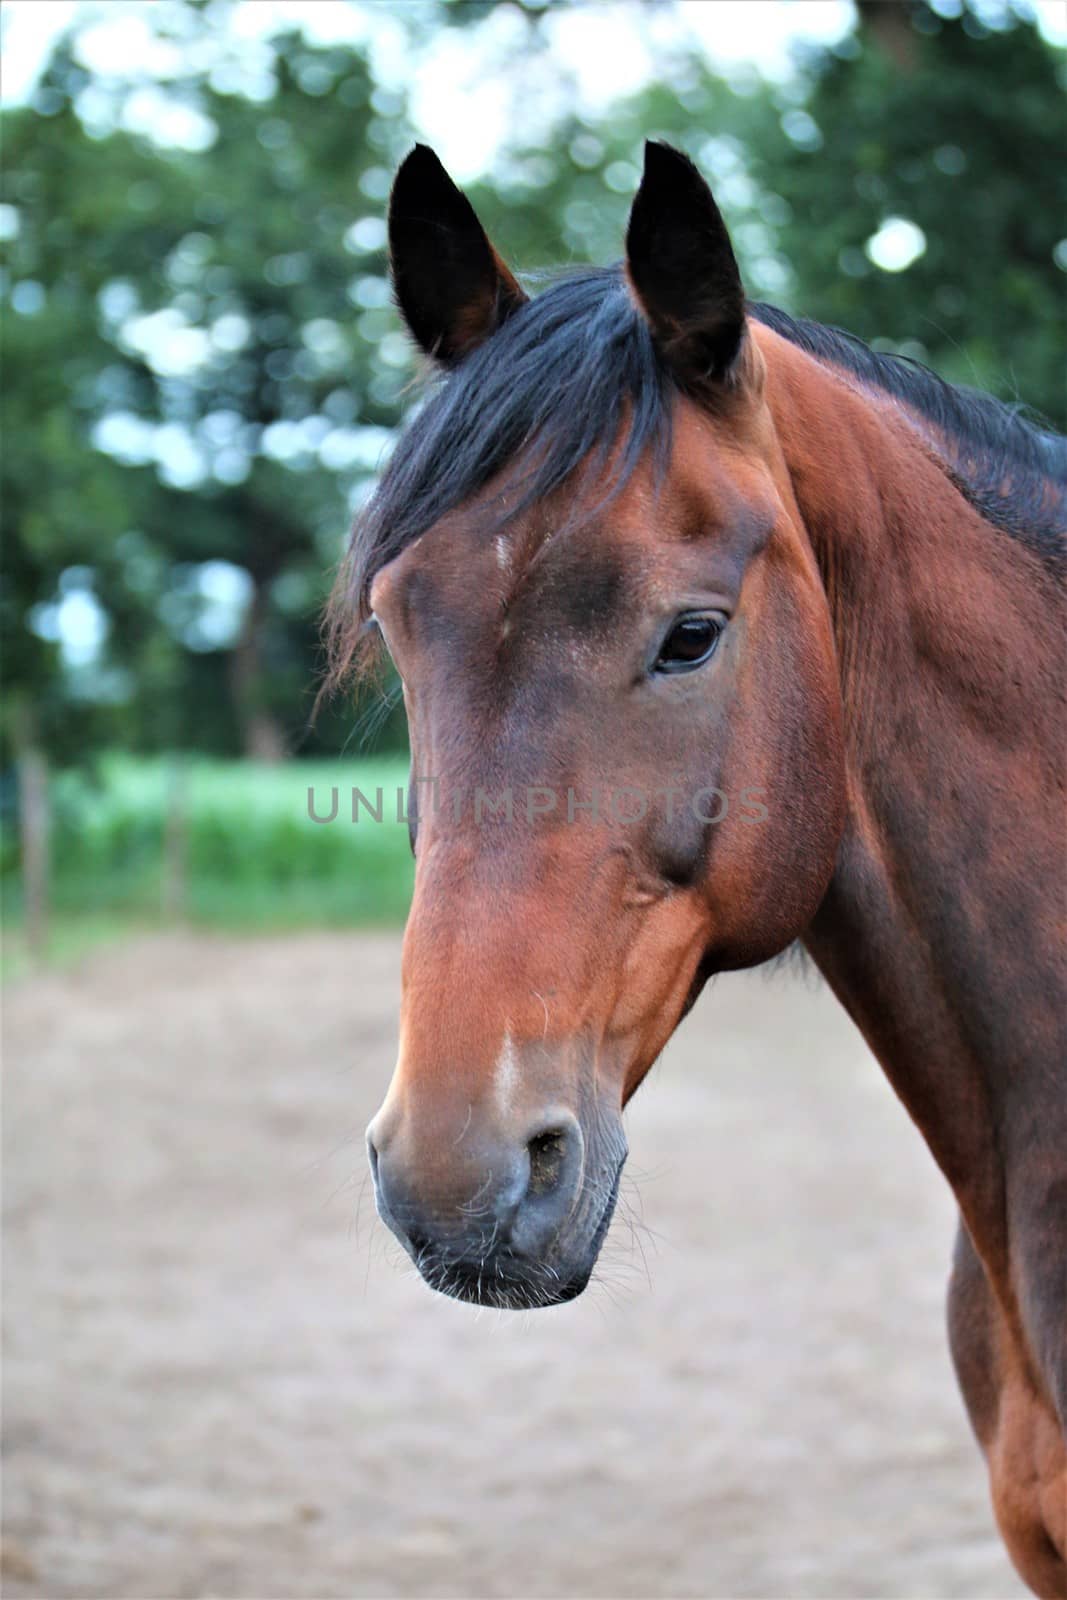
point(657, 156)
point(659, 150)
point(421, 166)
point(422, 155)
point(666, 164)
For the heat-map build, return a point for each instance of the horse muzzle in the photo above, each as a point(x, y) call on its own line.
point(514, 1221)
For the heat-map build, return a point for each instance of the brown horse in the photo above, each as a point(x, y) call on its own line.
point(718, 631)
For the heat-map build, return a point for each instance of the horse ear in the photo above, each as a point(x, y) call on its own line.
point(682, 268)
point(451, 286)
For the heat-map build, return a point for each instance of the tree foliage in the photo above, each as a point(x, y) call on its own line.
point(958, 129)
point(202, 378)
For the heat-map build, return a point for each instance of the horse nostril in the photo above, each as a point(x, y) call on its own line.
point(547, 1151)
point(372, 1156)
point(556, 1156)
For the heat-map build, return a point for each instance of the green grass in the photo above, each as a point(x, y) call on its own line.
point(70, 936)
point(252, 856)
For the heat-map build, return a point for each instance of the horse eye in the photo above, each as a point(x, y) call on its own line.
point(689, 644)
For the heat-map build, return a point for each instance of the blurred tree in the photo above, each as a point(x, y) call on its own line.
point(924, 191)
point(201, 376)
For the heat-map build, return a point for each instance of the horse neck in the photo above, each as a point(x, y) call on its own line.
point(937, 931)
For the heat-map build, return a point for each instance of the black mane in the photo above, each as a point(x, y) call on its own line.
point(566, 372)
point(1011, 469)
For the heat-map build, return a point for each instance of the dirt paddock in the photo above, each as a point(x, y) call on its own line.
point(221, 1380)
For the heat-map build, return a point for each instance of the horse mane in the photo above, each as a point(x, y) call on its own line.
point(1011, 468)
point(576, 368)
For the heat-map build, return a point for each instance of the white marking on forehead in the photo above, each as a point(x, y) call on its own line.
point(506, 1072)
point(503, 554)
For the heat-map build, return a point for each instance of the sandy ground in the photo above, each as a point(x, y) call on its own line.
point(221, 1380)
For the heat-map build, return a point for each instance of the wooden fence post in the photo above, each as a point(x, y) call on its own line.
point(34, 845)
point(175, 840)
